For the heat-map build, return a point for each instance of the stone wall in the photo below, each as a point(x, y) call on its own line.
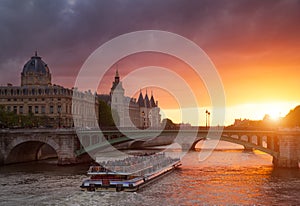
point(289, 151)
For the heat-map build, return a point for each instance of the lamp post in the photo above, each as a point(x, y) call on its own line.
point(207, 118)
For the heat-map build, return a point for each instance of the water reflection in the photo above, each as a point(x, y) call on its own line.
point(225, 178)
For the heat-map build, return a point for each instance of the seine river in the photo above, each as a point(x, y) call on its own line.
point(227, 177)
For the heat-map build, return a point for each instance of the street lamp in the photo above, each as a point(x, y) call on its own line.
point(207, 118)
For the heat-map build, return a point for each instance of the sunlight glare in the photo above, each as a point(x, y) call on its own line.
point(274, 115)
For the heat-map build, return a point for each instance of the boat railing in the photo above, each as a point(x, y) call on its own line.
point(146, 166)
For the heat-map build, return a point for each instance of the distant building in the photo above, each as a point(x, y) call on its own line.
point(246, 123)
point(39, 97)
point(143, 113)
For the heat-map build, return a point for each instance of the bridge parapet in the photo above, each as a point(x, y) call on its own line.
point(284, 146)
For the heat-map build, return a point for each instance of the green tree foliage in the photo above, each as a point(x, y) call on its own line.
point(7, 118)
point(168, 124)
point(105, 115)
point(12, 120)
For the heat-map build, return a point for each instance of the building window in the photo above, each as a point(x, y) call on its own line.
point(59, 108)
point(21, 109)
point(15, 109)
point(8, 108)
point(25, 91)
point(51, 109)
point(43, 109)
point(36, 109)
point(29, 109)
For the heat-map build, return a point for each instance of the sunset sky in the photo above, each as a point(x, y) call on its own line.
point(254, 45)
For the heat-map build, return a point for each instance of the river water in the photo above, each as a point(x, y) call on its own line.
point(227, 177)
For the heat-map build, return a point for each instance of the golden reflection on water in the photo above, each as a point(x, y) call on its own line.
point(226, 177)
point(229, 177)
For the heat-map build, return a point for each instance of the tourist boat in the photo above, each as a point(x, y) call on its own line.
point(130, 174)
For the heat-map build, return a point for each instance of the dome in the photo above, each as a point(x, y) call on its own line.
point(36, 65)
point(35, 72)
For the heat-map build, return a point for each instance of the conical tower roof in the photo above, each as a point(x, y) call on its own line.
point(147, 101)
point(141, 102)
point(152, 101)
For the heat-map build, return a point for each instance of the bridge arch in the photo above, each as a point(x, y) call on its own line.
point(231, 145)
point(21, 150)
point(199, 139)
point(246, 140)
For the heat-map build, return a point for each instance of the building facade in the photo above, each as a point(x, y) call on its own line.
point(141, 113)
point(37, 96)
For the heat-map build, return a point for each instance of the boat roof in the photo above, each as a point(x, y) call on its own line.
point(123, 173)
point(116, 173)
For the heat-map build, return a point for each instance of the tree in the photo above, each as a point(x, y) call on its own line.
point(7, 118)
point(2, 117)
point(168, 124)
point(292, 119)
point(105, 115)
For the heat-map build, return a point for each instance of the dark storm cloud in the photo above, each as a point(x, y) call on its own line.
point(66, 32)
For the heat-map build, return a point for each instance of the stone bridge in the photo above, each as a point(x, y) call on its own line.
point(24, 145)
point(72, 147)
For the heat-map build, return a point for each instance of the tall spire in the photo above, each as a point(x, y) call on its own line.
point(35, 53)
point(152, 101)
point(117, 71)
point(117, 76)
point(141, 102)
point(117, 82)
point(147, 101)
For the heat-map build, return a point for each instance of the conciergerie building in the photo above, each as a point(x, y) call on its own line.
point(52, 103)
point(58, 106)
point(141, 113)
